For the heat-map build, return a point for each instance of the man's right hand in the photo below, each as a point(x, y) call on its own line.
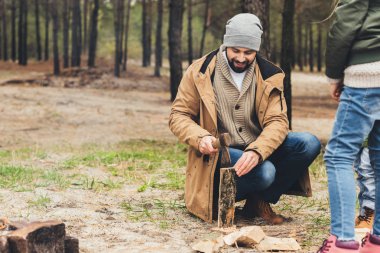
point(205, 145)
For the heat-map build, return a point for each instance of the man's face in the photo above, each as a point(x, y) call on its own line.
point(240, 58)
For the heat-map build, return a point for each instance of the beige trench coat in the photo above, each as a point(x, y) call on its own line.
point(193, 116)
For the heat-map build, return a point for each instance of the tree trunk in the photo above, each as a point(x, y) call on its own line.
point(22, 33)
point(25, 35)
point(305, 48)
point(319, 48)
point(274, 54)
point(206, 23)
point(76, 45)
point(85, 14)
point(287, 52)
point(118, 17)
point(125, 57)
point(65, 34)
point(1, 50)
point(299, 42)
point(93, 34)
point(146, 30)
point(121, 23)
point(80, 42)
point(5, 33)
point(190, 31)
point(261, 9)
point(158, 57)
point(55, 36)
point(174, 37)
point(311, 49)
point(38, 34)
point(13, 31)
point(47, 20)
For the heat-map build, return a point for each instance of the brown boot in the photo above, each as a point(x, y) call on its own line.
point(255, 207)
point(366, 220)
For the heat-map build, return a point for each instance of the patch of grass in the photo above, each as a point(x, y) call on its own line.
point(317, 230)
point(82, 181)
point(5, 154)
point(159, 211)
point(90, 183)
point(40, 154)
point(318, 169)
point(176, 180)
point(126, 162)
point(147, 183)
point(40, 202)
point(147, 155)
point(71, 163)
point(17, 177)
point(110, 184)
point(53, 177)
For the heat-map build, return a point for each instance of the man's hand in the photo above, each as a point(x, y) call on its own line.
point(205, 145)
point(247, 162)
point(336, 90)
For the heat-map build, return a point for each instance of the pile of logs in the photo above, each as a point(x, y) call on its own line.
point(36, 237)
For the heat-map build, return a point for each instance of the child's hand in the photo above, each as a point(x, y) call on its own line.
point(336, 90)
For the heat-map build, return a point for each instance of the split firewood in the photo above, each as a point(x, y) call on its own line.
point(227, 193)
point(208, 246)
point(246, 236)
point(278, 244)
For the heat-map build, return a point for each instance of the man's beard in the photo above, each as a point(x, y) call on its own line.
point(239, 69)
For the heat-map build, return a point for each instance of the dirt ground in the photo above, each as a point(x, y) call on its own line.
point(66, 114)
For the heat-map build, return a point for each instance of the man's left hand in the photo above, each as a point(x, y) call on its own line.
point(246, 163)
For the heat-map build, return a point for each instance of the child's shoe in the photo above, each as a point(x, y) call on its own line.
point(370, 244)
point(332, 245)
point(366, 220)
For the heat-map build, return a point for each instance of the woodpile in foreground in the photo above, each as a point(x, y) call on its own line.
point(247, 237)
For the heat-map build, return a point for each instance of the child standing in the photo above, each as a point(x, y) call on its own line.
point(353, 52)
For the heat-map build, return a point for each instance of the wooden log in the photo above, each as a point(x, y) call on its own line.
point(38, 237)
point(227, 193)
point(71, 245)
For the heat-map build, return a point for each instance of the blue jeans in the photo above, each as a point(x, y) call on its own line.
point(357, 117)
point(365, 180)
point(279, 172)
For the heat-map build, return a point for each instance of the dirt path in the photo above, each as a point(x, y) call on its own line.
point(56, 117)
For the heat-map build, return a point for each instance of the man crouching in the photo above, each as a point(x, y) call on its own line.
point(235, 90)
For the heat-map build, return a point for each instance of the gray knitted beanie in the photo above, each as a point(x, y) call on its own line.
point(243, 30)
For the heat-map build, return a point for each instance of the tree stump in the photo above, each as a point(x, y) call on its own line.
point(227, 193)
point(36, 237)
